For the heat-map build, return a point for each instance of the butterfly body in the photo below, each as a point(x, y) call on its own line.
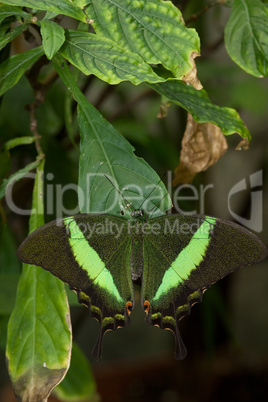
point(174, 257)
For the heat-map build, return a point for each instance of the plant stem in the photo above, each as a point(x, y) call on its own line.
point(33, 127)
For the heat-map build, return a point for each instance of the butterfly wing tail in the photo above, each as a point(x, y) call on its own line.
point(97, 350)
point(109, 320)
point(180, 349)
point(168, 318)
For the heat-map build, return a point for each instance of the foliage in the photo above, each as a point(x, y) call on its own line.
point(142, 42)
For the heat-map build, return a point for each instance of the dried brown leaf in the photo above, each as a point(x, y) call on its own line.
point(243, 145)
point(202, 145)
point(191, 77)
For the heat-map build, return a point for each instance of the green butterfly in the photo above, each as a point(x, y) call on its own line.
point(175, 258)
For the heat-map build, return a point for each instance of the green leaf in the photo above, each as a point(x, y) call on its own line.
point(102, 57)
point(64, 7)
point(38, 345)
point(13, 68)
point(154, 29)
point(53, 36)
point(80, 3)
point(17, 176)
point(50, 15)
point(246, 36)
point(199, 105)
point(18, 141)
point(9, 36)
point(105, 151)
point(69, 115)
point(79, 383)
point(10, 11)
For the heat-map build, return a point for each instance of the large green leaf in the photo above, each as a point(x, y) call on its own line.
point(246, 36)
point(152, 28)
point(93, 54)
point(199, 105)
point(13, 68)
point(53, 37)
point(65, 7)
point(105, 151)
point(79, 384)
point(39, 335)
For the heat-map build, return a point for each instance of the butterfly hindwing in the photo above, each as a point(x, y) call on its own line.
point(81, 251)
point(187, 256)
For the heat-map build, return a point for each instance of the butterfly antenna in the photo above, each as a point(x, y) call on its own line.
point(157, 205)
point(153, 191)
point(128, 204)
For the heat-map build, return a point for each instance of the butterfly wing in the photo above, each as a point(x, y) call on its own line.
point(92, 254)
point(187, 256)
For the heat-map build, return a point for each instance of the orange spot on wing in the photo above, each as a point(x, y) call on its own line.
point(146, 306)
point(129, 307)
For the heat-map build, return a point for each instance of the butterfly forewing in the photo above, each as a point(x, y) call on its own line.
point(92, 254)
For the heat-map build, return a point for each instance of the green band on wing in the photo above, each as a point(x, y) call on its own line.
point(107, 321)
point(195, 296)
point(188, 259)
point(168, 320)
point(182, 309)
point(156, 316)
point(89, 260)
point(119, 317)
point(96, 311)
point(83, 297)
